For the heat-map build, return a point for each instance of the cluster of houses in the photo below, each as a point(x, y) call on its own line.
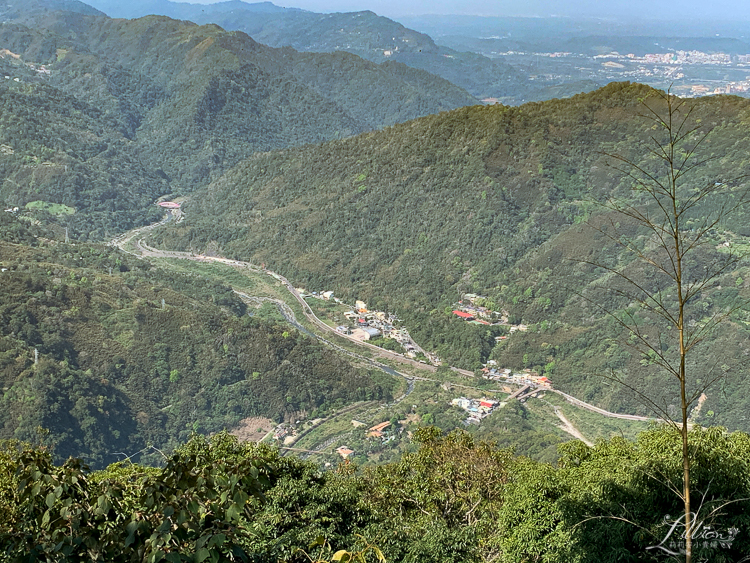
point(469, 317)
point(469, 304)
point(285, 433)
point(477, 408)
point(367, 324)
point(378, 431)
point(524, 377)
point(469, 310)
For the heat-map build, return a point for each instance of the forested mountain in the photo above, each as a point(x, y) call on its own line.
point(365, 34)
point(493, 200)
point(105, 115)
point(130, 355)
point(35, 8)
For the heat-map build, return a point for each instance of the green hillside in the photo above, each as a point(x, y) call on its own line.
point(130, 355)
point(106, 115)
point(58, 149)
point(10, 10)
point(495, 201)
point(365, 34)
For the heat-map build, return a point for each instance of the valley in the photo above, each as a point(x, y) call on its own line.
point(284, 285)
point(323, 436)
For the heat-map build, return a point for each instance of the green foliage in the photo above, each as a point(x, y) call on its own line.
point(133, 111)
point(421, 235)
point(453, 499)
point(443, 499)
point(117, 372)
point(194, 509)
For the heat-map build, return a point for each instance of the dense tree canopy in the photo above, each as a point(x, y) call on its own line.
point(497, 201)
point(130, 355)
point(455, 499)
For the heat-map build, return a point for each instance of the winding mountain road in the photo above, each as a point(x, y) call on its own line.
point(143, 250)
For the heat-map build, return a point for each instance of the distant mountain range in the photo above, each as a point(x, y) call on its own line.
point(119, 112)
point(365, 34)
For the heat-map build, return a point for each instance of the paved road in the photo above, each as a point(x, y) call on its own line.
point(597, 410)
point(147, 251)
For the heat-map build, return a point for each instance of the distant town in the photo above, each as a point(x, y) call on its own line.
point(690, 73)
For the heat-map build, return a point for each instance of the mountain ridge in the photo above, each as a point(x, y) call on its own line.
point(184, 102)
point(489, 200)
point(366, 34)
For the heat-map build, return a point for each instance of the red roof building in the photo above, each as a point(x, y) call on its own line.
point(463, 315)
point(380, 427)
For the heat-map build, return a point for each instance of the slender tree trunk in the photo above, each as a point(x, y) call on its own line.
point(683, 351)
point(684, 404)
point(686, 476)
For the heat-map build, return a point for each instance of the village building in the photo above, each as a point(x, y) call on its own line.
point(365, 333)
point(464, 315)
point(377, 430)
point(372, 331)
point(344, 452)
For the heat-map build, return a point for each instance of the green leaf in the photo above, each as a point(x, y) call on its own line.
point(201, 555)
point(233, 513)
point(50, 500)
point(103, 505)
point(131, 529)
point(240, 497)
point(182, 517)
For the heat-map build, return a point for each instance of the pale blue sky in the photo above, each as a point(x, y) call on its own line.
point(730, 10)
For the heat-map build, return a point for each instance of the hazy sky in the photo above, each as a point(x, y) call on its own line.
point(674, 9)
